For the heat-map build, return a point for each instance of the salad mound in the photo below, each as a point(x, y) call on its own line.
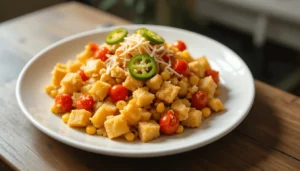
point(135, 86)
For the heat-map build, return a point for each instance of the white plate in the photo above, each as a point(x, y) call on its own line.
point(237, 94)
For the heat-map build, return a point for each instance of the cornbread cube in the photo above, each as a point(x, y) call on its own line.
point(145, 115)
point(117, 72)
point(86, 88)
point(85, 55)
point(186, 102)
point(79, 118)
point(105, 77)
point(75, 96)
point(183, 88)
point(215, 104)
point(204, 62)
point(73, 66)
point(143, 97)
point(71, 83)
point(58, 74)
point(168, 92)
point(103, 111)
point(131, 113)
point(155, 82)
point(132, 84)
point(148, 130)
point(208, 85)
point(100, 89)
point(197, 68)
point(181, 109)
point(194, 118)
point(116, 126)
point(93, 67)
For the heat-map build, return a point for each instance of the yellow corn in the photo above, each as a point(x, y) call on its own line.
point(179, 129)
point(194, 80)
point(174, 81)
point(160, 108)
point(206, 112)
point(129, 136)
point(218, 92)
point(121, 104)
point(65, 117)
point(90, 130)
point(165, 75)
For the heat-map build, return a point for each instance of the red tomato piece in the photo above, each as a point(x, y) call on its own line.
point(168, 56)
point(214, 74)
point(199, 100)
point(82, 75)
point(180, 45)
point(101, 53)
point(118, 92)
point(85, 101)
point(93, 46)
point(64, 101)
point(169, 122)
point(181, 67)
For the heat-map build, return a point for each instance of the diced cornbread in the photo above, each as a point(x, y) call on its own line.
point(71, 83)
point(100, 89)
point(215, 104)
point(103, 111)
point(208, 85)
point(79, 118)
point(181, 109)
point(132, 84)
point(73, 66)
point(131, 113)
point(117, 72)
point(168, 92)
point(183, 88)
point(116, 126)
point(143, 97)
point(93, 67)
point(58, 74)
point(148, 130)
point(86, 88)
point(75, 96)
point(194, 118)
point(204, 62)
point(145, 115)
point(85, 55)
point(155, 82)
point(197, 68)
point(186, 102)
point(105, 77)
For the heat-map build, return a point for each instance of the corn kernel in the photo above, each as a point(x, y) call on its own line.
point(174, 81)
point(179, 129)
point(53, 93)
point(133, 101)
point(102, 132)
point(155, 115)
point(194, 80)
point(185, 79)
point(218, 92)
point(121, 104)
point(102, 71)
point(90, 130)
point(65, 117)
point(160, 108)
point(206, 112)
point(165, 75)
point(129, 136)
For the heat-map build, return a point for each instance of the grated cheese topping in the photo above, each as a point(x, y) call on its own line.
point(136, 44)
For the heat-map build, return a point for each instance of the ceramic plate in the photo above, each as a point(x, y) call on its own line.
point(237, 93)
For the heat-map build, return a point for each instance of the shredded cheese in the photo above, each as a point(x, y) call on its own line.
point(136, 44)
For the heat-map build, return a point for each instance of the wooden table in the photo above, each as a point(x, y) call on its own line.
point(268, 139)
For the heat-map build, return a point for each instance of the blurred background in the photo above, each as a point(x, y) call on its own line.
point(265, 33)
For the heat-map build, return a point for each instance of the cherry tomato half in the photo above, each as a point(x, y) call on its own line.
point(85, 101)
point(101, 53)
point(118, 92)
point(181, 67)
point(199, 100)
point(214, 74)
point(64, 101)
point(93, 46)
point(180, 45)
point(82, 75)
point(168, 56)
point(169, 122)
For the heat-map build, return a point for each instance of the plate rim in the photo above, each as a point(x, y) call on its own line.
point(127, 153)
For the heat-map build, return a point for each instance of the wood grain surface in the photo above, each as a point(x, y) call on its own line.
point(268, 139)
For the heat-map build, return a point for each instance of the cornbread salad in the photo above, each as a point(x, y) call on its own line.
point(135, 86)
